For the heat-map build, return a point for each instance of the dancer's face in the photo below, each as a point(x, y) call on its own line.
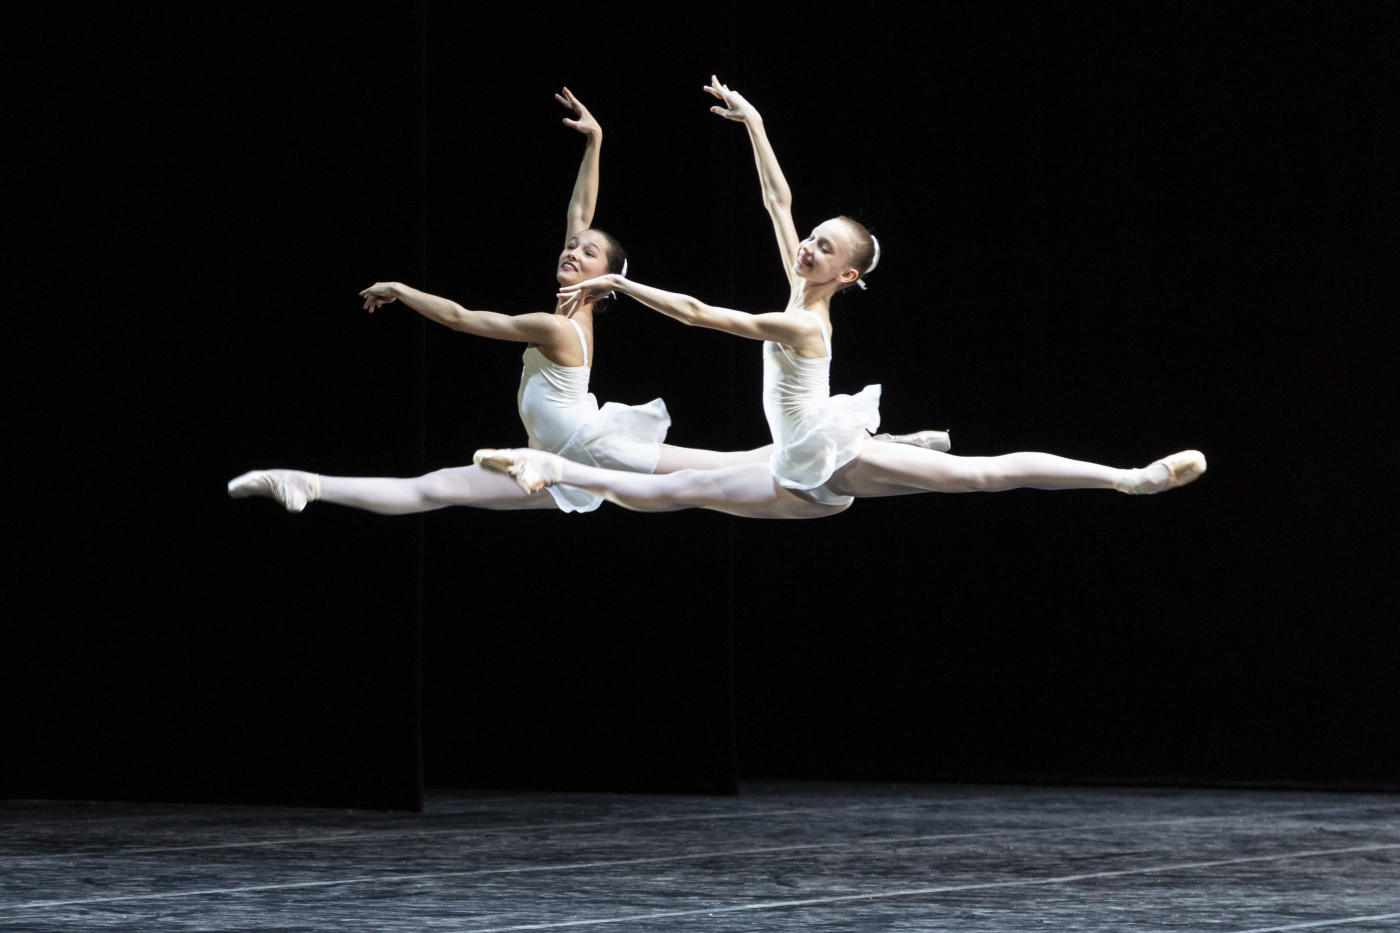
point(585, 257)
point(826, 254)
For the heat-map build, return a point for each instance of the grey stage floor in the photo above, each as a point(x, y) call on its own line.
point(781, 857)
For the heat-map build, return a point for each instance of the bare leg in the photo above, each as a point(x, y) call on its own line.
point(470, 486)
point(897, 470)
point(746, 490)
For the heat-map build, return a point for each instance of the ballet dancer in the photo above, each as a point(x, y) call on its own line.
point(824, 457)
point(559, 413)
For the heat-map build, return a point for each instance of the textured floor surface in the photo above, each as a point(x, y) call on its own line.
point(779, 857)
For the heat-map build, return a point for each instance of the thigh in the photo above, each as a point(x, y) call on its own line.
point(674, 459)
point(482, 489)
point(883, 469)
point(749, 491)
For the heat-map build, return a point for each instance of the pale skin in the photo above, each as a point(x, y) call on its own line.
point(584, 256)
point(818, 267)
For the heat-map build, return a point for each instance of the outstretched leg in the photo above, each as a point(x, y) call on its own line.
point(746, 490)
point(470, 486)
point(897, 470)
point(674, 459)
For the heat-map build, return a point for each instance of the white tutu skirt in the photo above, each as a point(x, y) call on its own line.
point(824, 441)
point(618, 437)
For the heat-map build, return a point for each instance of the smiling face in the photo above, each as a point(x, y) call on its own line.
point(585, 257)
point(825, 256)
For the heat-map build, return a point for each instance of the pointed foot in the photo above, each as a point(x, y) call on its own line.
point(1180, 468)
point(532, 470)
point(929, 440)
point(293, 488)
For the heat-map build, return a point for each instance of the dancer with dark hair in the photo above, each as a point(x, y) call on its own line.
point(823, 457)
point(560, 414)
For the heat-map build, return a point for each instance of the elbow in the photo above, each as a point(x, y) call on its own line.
point(694, 314)
point(458, 318)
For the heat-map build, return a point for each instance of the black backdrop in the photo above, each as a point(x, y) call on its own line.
point(1110, 231)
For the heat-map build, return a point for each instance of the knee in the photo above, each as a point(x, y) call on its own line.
point(982, 475)
point(433, 488)
point(695, 488)
point(982, 481)
point(687, 485)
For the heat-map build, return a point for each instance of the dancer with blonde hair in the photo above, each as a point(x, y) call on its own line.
point(824, 457)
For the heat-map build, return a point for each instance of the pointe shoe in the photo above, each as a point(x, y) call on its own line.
point(532, 470)
point(1183, 467)
point(292, 488)
point(929, 440)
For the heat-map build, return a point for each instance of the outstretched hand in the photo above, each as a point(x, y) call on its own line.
point(574, 297)
point(584, 122)
point(735, 106)
point(378, 295)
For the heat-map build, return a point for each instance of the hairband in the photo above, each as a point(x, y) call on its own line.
point(873, 262)
point(613, 295)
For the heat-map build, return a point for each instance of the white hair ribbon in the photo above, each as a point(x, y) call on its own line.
point(873, 262)
point(613, 295)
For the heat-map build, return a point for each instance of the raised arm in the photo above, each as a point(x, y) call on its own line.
point(538, 328)
point(799, 331)
point(777, 197)
point(585, 197)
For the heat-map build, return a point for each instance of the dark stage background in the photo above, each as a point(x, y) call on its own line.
point(1110, 231)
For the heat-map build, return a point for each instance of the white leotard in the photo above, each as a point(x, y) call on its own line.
point(560, 415)
point(816, 433)
point(554, 400)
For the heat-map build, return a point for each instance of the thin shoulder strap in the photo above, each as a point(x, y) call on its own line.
point(826, 338)
point(584, 343)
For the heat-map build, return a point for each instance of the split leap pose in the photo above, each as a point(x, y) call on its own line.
point(560, 414)
point(823, 458)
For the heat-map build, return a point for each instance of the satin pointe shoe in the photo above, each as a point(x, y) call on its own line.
point(929, 440)
point(532, 470)
point(293, 488)
point(1183, 467)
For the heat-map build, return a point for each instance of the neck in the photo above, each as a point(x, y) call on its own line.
point(812, 296)
point(582, 314)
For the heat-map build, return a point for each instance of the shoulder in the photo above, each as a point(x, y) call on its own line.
point(808, 322)
point(545, 328)
point(811, 332)
point(548, 323)
point(564, 340)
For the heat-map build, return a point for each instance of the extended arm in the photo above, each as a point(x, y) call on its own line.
point(523, 328)
point(585, 197)
point(793, 330)
point(777, 197)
